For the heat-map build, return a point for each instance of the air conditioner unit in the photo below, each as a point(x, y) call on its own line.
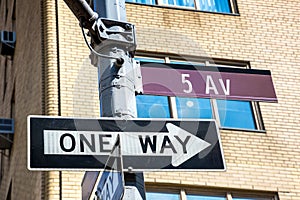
point(7, 42)
point(6, 133)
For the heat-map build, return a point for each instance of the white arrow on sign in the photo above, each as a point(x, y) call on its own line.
point(178, 143)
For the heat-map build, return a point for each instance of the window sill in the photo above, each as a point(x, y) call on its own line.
point(243, 129)
point(184, 9)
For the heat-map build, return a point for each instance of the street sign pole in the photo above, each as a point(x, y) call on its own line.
point(117, 77)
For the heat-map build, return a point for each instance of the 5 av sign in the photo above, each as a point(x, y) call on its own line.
point(67, 143)
point(207, 82)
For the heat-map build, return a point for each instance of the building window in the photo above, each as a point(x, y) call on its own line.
point(193, 108)
point(161, 196)
point(152, 2)
point(184, 194)
point(237, 114)
point(12, 105)
point(219, 6)
point(229, 114)
point(203, 197)
point(149, 106)
point(185, 3)
point(5, 78)
point(215, 5)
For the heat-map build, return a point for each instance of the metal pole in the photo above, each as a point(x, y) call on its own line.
point(117, 84)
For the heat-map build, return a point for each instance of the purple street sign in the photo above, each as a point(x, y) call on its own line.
point(208, 82)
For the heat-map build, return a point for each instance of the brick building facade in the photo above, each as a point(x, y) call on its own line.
point(50, 74)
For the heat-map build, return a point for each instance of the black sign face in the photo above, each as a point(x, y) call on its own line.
point(58, 143)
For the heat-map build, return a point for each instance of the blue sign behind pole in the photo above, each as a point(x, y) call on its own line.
point(110, 186)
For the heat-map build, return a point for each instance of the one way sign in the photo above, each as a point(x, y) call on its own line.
point(146, 144)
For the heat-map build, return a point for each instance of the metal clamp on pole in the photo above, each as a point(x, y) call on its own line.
point(116, 33)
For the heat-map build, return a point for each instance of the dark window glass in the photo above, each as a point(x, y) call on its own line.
point(186, 3)
point(236, 114)
point(142, 1)
point(193, 108)
point(150, 60)
point(201, 197)
point(222, 6)
point(161, 196)
point(215, 5)
point(149, 106)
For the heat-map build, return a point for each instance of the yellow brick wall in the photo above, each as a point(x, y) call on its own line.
point(78, 78)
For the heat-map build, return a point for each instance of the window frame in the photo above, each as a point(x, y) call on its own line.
point(233, 7)
point(228, 194)
point(255, 107)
